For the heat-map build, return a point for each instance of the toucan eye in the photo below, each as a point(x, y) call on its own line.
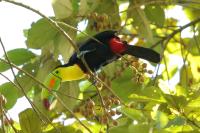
point(57, 72)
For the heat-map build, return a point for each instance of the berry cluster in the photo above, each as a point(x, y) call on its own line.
point(104, 114)
point(139, 69)
point(100, 22)
point(107, 115)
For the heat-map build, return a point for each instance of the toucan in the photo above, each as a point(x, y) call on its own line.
point(104, 49)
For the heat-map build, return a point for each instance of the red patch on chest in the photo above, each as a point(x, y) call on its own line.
point(52, 83)
point(117, 46)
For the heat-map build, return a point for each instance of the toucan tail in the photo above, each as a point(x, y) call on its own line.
point(144, 53)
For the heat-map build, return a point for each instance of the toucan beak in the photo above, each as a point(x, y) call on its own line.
point(52, 82)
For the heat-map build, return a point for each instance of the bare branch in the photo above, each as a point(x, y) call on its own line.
point(167, 38)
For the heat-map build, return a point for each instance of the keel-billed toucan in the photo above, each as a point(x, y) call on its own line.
point(96, 55)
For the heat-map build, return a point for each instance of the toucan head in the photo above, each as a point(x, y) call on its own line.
point(105, 35)
point(53, 80)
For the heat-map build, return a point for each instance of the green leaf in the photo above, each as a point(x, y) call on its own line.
point(186, 76)
point(40, 34)
point(63, 47)
point(88, 6)
point(20, 56)
point(150, 93)
point(75, 5)
point(155, 14)
point(174, 48)
point(171, 72)
point(177, 121)
point(3, 66)
point(119, 129)
point(46, 68)
point(194, 103)
point(29, 121)
point(107, 7)
point(185, 128)
point(64, 129)
point(181, 91)
point(25, 81)
point(194, 44)
point(86, 85)
point(123, 86)
point(193, 11)
point(160, 118)
point(176, 101)
point(67, 91)
point(140, 21)
point(62, 8)
point(140, 128)
point(83, 7)
point(10, 92)
point(110, 69)
point(132, 113)
point(195, 66)
point(140, 98)
point(17, 56)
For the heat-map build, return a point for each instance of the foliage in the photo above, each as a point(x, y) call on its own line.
point(144, 104)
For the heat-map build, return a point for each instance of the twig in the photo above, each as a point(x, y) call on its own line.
point(14, 129)
point(184, 62)
point(138, 5)
point(36, 80)
point(101, 98)
point(63, 104)
point(67, 95)
point(195, 39)
point(9, 63)
point(74, 28)
point(167, 38)
point(165, 62)
point(56, 26)
point(110, 89)
point(33, 105)
point(191, 121)
point(1, 111)
point(87, 67)
point(51, 21)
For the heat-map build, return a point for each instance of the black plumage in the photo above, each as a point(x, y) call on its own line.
point(98, 54)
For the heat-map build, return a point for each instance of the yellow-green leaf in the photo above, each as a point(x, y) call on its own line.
point(140, 21)
point(10, 92)
point(62, 8)
point(30, 122)
point(17, 56)
point(155, 14)
point(132, 113)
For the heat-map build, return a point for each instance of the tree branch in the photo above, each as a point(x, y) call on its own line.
point(167, 38)
point(1, 113)
point(37, 111)
point(28, 74)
